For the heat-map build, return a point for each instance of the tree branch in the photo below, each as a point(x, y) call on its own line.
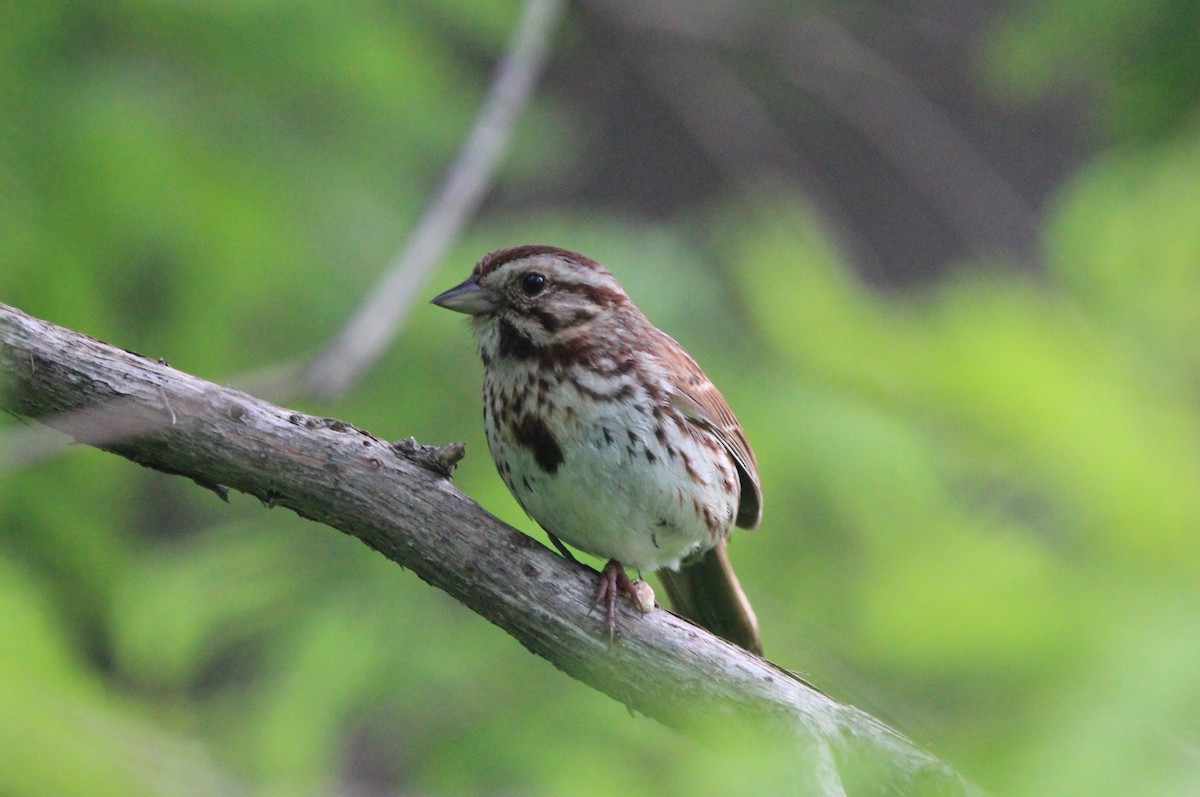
point(330, 472)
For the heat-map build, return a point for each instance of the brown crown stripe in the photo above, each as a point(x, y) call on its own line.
point(496, 259)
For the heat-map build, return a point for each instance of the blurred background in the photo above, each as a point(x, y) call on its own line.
point(943, 259)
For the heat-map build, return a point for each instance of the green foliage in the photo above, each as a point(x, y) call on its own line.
point(1008, 468)
point(981, 497)
point(1136, 58)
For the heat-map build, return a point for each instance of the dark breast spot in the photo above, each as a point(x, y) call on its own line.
point(532, 433)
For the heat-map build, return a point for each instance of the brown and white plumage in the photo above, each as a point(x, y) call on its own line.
point(607, 432)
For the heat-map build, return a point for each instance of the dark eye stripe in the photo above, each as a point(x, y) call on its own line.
point(598, 295)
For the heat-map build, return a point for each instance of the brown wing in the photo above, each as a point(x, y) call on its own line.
point(702, 404)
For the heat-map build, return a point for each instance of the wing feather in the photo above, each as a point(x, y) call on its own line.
point(702, 404)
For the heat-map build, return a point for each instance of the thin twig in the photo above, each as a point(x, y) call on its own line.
point(360, 343)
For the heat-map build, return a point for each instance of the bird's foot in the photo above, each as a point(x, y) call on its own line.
point(613, 581)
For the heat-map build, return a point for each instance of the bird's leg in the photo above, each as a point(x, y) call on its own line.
point(562, 549)
point(614, 581)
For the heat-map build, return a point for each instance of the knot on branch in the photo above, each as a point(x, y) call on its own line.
point(442, 460)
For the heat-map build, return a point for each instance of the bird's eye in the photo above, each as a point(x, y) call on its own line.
point(533, 283)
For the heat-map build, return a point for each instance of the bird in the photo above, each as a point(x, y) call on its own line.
point(609, 435)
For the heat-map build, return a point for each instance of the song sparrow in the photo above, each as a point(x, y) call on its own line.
point(609, 435)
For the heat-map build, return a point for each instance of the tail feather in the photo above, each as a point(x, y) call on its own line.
point(708, 592)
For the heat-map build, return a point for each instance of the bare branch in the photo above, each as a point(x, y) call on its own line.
point(330, 472)
point(365, 336)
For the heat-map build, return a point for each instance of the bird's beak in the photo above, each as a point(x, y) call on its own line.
point(470, 297)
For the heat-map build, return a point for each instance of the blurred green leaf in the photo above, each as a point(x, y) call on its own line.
point(1135, 57)
point(61, 732)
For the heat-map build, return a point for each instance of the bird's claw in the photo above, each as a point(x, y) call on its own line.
point(614, 581)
